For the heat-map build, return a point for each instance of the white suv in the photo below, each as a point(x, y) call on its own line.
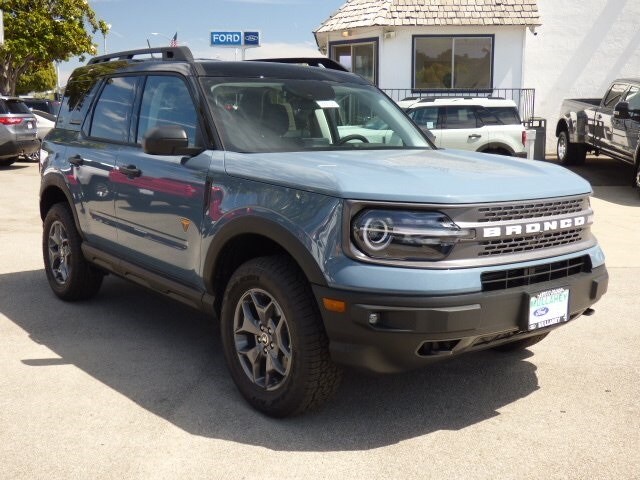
point(488, 125)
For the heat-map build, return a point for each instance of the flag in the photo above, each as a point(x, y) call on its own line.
point(174, 41)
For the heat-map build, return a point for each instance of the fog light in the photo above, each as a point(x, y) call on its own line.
point(374, 318)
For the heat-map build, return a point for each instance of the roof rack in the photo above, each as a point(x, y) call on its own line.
point(168, 54)
point(322, 62)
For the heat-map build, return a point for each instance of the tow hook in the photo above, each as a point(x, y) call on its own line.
point(588, 312)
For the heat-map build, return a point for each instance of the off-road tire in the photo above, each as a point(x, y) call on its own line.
point(521, 344)
point(70, 276)
point(570, 153)
point(308, 377)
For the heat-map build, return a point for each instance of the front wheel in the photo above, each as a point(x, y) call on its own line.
point(570, 153)
point(70, 276)
point(274, 340)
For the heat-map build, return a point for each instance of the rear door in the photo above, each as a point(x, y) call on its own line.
point(462, 130)
point(160, 199)
point(94, 158)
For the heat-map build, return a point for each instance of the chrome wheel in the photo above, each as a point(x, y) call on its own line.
point(59, 253)
point(562, 147)
point(262, 339)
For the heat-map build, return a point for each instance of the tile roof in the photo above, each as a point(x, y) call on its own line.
point(401, 13)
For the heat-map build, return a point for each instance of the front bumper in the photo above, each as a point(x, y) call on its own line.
point(413, 331)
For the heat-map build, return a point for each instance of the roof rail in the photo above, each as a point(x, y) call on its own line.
point(322, 62)
point(168, 54)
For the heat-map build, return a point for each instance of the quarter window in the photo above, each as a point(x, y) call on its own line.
point(452, 62)
point(112, 115)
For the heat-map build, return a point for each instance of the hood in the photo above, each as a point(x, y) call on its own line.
point(420, 176)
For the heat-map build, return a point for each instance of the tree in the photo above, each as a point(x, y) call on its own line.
point(40, 32)
point(37, 79)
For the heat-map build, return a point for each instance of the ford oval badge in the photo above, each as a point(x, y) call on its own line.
point(541, 311)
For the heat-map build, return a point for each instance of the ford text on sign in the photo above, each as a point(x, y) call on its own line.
point(226, 39)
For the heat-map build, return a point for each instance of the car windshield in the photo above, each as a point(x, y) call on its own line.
point(272, 115)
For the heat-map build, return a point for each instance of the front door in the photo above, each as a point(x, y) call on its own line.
point(160, 199)
point(627, 130)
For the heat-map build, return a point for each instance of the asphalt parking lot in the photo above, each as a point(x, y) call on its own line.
point(133, 386)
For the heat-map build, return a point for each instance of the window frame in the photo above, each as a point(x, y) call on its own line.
point(375, 41)
point(415, 38)
point(609, 103)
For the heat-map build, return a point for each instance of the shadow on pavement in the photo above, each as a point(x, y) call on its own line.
point(167, 359)
point(602, 172)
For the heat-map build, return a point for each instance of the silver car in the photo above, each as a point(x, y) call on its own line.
point(18, 131)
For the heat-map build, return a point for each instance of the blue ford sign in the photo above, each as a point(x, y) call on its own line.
point(252, 39)
point(226, 39)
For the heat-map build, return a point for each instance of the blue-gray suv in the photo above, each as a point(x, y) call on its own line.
point(257, 192)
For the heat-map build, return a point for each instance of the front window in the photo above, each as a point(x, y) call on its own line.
point(271, 115)
point(452, 62)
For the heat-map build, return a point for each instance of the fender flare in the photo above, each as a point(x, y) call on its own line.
point(57, 182)
point(276, 232)
point(495, 145)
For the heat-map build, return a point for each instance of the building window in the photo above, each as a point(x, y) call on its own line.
point(359, 56)
point(464, 62)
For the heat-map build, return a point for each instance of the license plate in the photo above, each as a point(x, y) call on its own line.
point(548, 308)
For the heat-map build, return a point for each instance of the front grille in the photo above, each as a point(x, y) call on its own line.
point(499, 213)
point(527, 243)
point(520, 277)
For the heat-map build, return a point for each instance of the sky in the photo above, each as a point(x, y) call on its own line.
point(286, 26)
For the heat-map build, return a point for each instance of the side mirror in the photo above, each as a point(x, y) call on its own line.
point(165, 140)
point(621, 110)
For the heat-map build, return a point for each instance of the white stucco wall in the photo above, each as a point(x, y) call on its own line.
point(580, 48)
point(395, 53)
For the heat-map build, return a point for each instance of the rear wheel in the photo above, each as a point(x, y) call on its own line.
point(521, 344)
point(70, 276)
point(274, 340)
point(570, 153)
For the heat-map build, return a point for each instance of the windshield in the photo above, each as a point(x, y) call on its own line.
point(271, 115)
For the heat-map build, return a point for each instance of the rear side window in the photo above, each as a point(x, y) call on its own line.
point(13, 106)
point(425, 117)
point(112, 114)
point(499, 116)
point(461, 117)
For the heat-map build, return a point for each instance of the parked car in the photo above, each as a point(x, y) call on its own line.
point(43, 104)
point(45, 122)
point(609, 125)
point(236, 188)
point(18, 131)
point(488, 125)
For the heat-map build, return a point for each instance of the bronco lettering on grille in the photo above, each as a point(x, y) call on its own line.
point(533, 227)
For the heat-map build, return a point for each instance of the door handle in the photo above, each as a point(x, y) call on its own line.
point(475, 135)
point(76, 161)
point(131, 171)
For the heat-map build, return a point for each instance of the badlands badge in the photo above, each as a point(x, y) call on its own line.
point(186, 223)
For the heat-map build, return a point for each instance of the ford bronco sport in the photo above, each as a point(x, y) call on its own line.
point(236, 188)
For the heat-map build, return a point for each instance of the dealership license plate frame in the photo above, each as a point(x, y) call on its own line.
point(548, 308)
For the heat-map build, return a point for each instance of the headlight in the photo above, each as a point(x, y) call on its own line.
point(408, 236)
